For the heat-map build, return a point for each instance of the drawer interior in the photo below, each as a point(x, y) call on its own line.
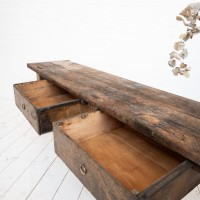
point(132, 159)
point(43, 93)
point(67, 111)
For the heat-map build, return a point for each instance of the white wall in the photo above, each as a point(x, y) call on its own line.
point(129, 38)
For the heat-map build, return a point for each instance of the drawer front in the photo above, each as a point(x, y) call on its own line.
point(27, 109)
point(43, 103)
point(91, 174)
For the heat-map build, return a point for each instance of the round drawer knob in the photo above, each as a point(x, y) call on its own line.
point(83, 169)
point(23, 106)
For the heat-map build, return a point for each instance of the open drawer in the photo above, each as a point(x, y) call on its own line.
point(43, 103)
point(115, 162)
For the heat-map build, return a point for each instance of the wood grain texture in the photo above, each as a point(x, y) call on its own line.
point(147, 148)
point(89, 125)
point(127, 164)
point(169, 120)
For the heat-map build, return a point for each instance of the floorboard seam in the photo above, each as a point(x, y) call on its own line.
point(60, 184)
point(19, 154)
point(41, 178)
point(10, 131)
point(26, 169)
point(80, 193)
point(15, 140)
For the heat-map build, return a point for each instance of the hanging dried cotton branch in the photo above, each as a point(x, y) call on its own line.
point(189, 16)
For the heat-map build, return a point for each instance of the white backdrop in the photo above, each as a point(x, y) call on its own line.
point(129, 38)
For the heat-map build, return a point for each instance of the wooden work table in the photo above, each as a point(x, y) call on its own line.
point(122, 139)
point(168, 119)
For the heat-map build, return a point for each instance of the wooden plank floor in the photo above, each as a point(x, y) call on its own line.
point(29, 168)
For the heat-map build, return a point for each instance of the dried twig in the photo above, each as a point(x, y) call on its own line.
point(189, 16)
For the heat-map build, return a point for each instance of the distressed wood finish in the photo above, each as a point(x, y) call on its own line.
point(43, 103)
point(120, 164)
point(169, 120)
point(174, 185)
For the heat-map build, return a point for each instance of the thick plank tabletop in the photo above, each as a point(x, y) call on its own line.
point(169, 120)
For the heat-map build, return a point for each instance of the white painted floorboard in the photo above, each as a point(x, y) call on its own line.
point(85, 195)
point(13, 152)
point(32, 175)
point(70, 183)
point(29, 167)
point(54, 175)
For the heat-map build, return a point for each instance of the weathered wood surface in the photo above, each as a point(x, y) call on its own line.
point(170, 120)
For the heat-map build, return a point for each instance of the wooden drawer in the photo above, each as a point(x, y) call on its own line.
point(42, 103)
point(115, 162)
